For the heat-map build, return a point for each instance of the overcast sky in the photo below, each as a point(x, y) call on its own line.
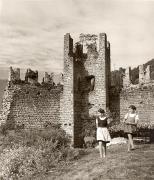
point(31, 31)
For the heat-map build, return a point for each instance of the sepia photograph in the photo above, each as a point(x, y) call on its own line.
point(76, 89)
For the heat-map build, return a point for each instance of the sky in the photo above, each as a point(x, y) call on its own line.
point(32, 31)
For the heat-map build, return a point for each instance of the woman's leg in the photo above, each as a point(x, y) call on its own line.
point(131, 140)
point(100, 149)
point(104, 149)
point(128, 144)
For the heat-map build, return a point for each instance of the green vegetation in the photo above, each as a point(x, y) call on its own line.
point(118, 164)
point(25, 153)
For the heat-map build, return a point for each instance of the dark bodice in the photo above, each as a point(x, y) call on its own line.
point(102, 123)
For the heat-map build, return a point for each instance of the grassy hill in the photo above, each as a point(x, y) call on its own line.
point(3, 84)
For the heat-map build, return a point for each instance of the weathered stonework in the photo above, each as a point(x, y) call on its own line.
point(84, 88)
point(141, 95)
point(67, 104)
point(142, 98)
point(127, 77)
point(31, 76)
point(86, 85)
point(14, 74)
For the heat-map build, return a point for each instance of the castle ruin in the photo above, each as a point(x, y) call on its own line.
point(86, 85)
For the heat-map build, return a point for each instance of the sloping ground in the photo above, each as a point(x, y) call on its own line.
point(135, 165)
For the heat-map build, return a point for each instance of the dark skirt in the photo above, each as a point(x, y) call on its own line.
point(129, 128)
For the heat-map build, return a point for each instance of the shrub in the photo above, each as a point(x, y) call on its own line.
point(29, 152)
point(37, 138)
point(89, 127)
point(20, 162)
point(29, 161)
point(89, 141)
point(116, 129)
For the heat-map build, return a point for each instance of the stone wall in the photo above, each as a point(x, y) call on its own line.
point(7, 103)
point(143, 98)
point(114, 98)
point(141, 95)
point(97, 69)
point(86, 85)
point(91, 80)
point(28, 106)
point(14, 74)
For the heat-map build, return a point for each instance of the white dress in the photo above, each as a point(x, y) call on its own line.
point(102, 133)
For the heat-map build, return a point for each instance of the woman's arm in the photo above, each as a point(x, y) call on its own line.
point(125, 117)
point(136, 119)
point(109, 120)
point(96, 123)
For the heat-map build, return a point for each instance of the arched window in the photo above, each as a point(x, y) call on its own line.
point(91, 82)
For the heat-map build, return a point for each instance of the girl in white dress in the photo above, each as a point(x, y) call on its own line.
point(102, 132)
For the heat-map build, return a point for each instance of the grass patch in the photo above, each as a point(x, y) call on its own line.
point(136, 165)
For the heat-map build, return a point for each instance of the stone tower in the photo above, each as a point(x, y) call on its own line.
point(86, 81)
point(67, 104)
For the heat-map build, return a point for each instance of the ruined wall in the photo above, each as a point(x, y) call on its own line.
point(97, 65)
point(31, 106)
point(91, 80)
point(143, 98)
point(14, 74)
point(141, 95)
point(77, 82)
point(114, 98)
point(108, 74)
point(86, 85)
point(7, 103)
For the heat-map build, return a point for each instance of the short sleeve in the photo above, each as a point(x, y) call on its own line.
point(126, 116)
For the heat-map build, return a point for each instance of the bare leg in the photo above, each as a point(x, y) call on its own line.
point(104, 149)
point(131, 140)
point(100, 149)
point(128, 144)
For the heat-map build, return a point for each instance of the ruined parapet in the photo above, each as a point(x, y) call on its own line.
point(89, 42)
point(14, 74)
point(8, 99)
point(31, 76)
point(121, 75)
point(141, 74)
point(127, 77)
point(48, 78)
point(148, 74)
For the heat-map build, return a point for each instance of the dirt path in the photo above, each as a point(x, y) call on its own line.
point(118, 164)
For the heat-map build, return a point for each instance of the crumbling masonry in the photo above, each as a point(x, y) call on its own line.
point(86, 85)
